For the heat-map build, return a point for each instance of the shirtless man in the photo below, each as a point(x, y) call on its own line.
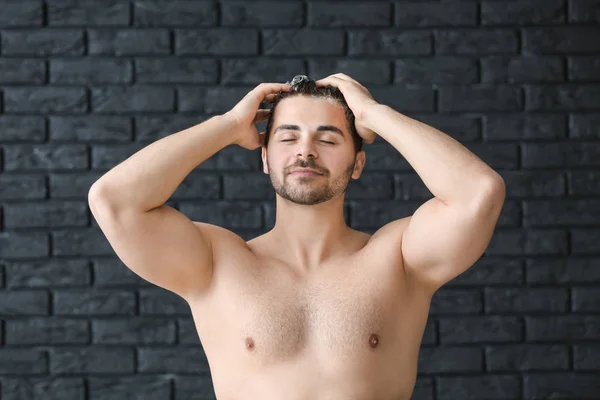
point(312, 309)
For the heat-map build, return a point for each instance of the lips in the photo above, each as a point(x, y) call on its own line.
point(305, 170)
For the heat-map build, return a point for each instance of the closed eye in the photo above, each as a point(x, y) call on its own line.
point(324, 141)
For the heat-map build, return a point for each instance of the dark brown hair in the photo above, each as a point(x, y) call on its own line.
point(302, 85)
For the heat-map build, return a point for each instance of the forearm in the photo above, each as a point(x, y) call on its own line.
point(148, 178)
point(449, 170)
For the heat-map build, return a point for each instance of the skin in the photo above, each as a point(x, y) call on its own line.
point(312, 309)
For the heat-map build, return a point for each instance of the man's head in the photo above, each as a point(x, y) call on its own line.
point(311, 127)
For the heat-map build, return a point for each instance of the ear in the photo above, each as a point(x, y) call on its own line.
point(361, 158)
point(263, 156)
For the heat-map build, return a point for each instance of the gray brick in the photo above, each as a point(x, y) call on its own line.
point(584, 68)
point(563, 97)
point(80, 243)
point(564, 327)
point(584, 126)
point(22, 71)
point(566, 385)
point(87, 12)
point(463, 128)
point(480, 329)
point(90, 71)
point(584, 183)
point(150, 128)
point(54, 388)
point(123, 99)
point(55, 42)
point(49, 99)
point(46, 215)
point(254, 185)
point(585, 357)
point(348, 15)
point(29, 128)
point(406, 99)
point(72, 185)
point(128, 42)
point(47, 330)
point(94, 128)
point(568, 211)
point(367, 72)
point(176, 70)
point(387, 42)
point(542, 12)
point(50, 273)
point(112, 272)
point(539, 242)
point(584, 241)
point(523, 69)
point(525, 300)
point(456, 301)
point(24, 302)
point(85, 360)
point(158, 301)
point(227, 214)
point(186, 332)
point(476, 41)
point(526, 357)
point(586, 299)
point(44, 157)
point(24, 245)
point(21, 13)
point(584, 11)
point(479, 98)
point(109, 155)
point(133, 330)
point(22, 362)
point(174, 13)
point(262, 13)
point(176, 360)
point(255, 71)
point(22, 186)
point(560, 39)
point(524, 126)
point(423, 389)
point(213, 42)
point(491, 271)
point(563, 271)
point(293, 42)
point(122, 387)
point(455, 360)
point(445, 70)
point(528, 184)
point(433, 14)
point(92, 301)
point(549, 155)
point(499, 387)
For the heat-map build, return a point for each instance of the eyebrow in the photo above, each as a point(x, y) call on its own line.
point(320, 128)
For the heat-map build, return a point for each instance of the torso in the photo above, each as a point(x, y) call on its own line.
point(353, 330)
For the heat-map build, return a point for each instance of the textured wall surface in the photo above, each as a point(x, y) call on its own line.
point(85, 84)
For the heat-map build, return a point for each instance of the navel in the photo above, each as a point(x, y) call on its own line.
point(249, 343)
point(374, 340)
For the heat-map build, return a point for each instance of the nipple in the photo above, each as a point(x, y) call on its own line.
point(249, 343)
point(373, 340)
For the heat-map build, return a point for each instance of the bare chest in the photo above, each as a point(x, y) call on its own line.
point(265, 314)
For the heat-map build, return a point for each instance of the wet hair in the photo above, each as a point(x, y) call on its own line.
point(302, 85)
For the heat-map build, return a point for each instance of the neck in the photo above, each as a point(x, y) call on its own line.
point(308, 236)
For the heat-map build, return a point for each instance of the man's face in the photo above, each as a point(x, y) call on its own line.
point(307, 146)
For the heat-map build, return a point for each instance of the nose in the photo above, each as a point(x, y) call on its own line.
point(306, 149)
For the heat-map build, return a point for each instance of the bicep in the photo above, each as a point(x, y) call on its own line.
point(441, 241)
point(162, 246)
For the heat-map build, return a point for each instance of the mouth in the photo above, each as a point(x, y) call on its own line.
point(304, 172)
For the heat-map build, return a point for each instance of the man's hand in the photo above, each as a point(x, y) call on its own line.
point(358, 99)
point(246, 114)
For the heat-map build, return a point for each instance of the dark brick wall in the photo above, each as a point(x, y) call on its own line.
point(85, 84)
